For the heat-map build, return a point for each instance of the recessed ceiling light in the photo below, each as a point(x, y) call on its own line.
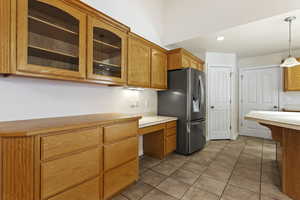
point(220, 38)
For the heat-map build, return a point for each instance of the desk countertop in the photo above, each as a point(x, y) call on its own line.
point(154, 120)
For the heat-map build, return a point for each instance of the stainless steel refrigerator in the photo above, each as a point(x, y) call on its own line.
point(186, 99)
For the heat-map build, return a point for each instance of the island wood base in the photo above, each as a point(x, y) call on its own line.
point(288, 158)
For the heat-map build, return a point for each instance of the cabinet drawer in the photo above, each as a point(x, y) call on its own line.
point(151, 129)
point(171, 131)
point(170, 144)
point(119, 153)
point(63, 173)
point(70, 141)
point(171, 124)
point(119, 178)
point(90, 190)
point(120, 131)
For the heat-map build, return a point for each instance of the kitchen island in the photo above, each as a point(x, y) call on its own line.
point(285, 128)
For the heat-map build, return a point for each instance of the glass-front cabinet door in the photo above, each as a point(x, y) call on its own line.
point(51, 39)
point(107, 52)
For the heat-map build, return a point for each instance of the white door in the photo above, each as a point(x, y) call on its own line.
point(219, 103)
point(259, 91)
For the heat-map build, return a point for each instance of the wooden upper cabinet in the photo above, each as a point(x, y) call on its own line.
point(139, 62)
point(181, 58)
point(186, 61)
point(107, 52)
point(292, 78)
point(51, 39)
point(159, 63)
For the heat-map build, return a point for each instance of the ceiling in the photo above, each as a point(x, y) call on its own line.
point(257, 38)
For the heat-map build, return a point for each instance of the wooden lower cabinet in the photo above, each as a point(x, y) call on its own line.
point(90, 190)
point(120, 157)
point(119, 153)
point(69, 141)
point(117, 179)
point(58, 175)
point(170, 144)
point(69, 164)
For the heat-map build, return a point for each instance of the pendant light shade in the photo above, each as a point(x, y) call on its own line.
point(290, 61)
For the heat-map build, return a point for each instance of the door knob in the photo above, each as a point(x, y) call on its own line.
point(212, 107)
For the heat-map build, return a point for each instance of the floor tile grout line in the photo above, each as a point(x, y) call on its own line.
point(202, 175)
point(242, 143)
point(261, 169)
point(232, 171)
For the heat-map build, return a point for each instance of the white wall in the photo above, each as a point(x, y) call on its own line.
point(26, 98)
point(214, 59)
point(193, 18)
point(287, 99)
point(264, 60)
point(143, 16)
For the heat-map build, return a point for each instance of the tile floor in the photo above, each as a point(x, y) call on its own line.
point(244, 169)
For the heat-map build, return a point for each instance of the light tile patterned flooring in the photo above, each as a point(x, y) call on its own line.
point(244, 169)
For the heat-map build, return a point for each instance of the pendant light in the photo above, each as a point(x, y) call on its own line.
point(290, 61)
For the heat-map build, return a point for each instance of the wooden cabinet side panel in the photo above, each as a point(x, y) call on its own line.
point(18, 156)
point(291, 161)
point(5, 30)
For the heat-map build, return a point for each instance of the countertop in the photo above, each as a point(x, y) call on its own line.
point(46, 125)
point(154, 120)
point(289, 120)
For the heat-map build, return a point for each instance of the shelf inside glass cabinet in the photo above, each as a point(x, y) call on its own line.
point(53, 37)
point(107, 53)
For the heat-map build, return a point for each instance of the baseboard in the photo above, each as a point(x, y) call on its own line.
point(234, 137)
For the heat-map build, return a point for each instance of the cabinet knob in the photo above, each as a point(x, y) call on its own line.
point(275, 107)
point(212, 107)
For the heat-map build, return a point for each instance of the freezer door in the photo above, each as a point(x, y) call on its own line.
point(197, 138)
point(196, 95)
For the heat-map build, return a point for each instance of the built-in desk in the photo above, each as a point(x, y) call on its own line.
point(159, 135)
point(285, 127)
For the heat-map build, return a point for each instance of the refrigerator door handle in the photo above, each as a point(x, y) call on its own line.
point(202, 90)
point(188, 127)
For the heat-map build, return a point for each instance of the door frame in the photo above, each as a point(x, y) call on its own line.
point(231, 95)
point(241, 71)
